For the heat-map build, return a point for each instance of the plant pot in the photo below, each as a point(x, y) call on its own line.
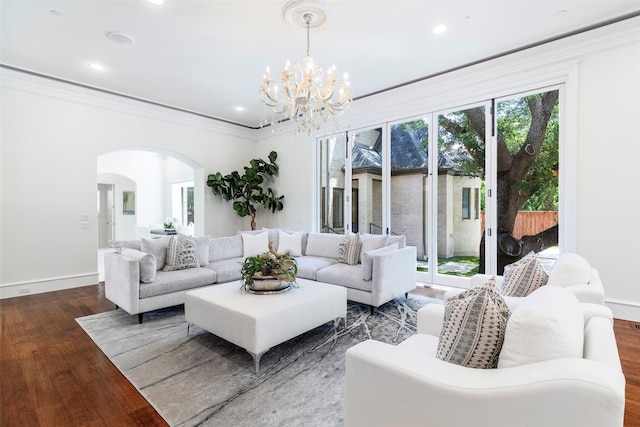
point(267, 283)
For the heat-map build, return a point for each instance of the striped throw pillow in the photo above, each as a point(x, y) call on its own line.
point(524, 276)
point(349, 250)
point(474, 326)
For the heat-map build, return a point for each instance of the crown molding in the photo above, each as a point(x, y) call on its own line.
point(44, 86)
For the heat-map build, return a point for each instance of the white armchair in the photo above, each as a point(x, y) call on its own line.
point(406, 385)
point(570, 271)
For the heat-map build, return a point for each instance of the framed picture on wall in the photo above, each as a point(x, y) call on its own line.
point(128, 203)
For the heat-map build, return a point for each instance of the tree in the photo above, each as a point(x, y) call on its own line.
point(248, 191)
point(527, 147)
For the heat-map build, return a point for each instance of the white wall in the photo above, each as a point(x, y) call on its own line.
point(51, 135)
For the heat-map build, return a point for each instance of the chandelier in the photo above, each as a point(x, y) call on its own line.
point(306, 95)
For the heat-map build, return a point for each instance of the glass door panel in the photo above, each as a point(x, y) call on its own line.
point(409, 159)
point(527, 177)
point(459, 185)
point(366, 181)
point(332, 156)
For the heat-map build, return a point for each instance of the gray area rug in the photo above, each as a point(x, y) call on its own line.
point(198, 379)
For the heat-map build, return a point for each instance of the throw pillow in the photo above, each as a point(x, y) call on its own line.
point(157, 247)
point(524, 276)
point(367, 260)
point(202, 248)
point(225, 247)
point(290, 242)
point(370, 242)
point(570, 269)
point(146, 261)
point(349, 249)
point(325, 245)
point(400, 239)
point(548, 324)
point(254, 244)
point(181, 253)
point(474, 326)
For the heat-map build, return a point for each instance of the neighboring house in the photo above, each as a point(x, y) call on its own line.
point(458, 195)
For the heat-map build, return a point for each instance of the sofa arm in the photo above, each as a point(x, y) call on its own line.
point(122, 281)
point(428, 391)
point(393, 273)
point(430, 319)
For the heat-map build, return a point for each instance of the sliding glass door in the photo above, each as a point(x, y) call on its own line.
point(459, 170)
point(473, 188)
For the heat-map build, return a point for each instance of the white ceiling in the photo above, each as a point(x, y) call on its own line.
point(209, 56)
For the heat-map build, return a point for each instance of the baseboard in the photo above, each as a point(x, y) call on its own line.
point(20, 289)
point(623, 309)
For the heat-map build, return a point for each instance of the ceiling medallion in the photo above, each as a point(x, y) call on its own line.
point(307, 96)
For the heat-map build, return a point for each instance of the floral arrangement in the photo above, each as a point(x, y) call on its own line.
point(269, 264)
point(171, 223)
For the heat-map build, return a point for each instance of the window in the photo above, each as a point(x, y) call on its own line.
point(182, 202)
point(338, 207)
point(476, 203)
point(466, 195)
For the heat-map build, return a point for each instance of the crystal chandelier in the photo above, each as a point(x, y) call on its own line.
point(306, 95)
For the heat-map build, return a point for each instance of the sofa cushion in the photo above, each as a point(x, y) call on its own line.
point(369, 242)
point(146, 261)
point(225, 247)
point(308, 266)
point(291, 242)
point(178, 280)
point(324, 245)
point(570, 269)
point(367, 260)
point(349, 249)
point(202, 249)
point(226, 270)
point(524, 276)
point(344, 275)
point(474, 326)
point(254, 244)
point(548, 324)
point(181, 253)
point(157, 247)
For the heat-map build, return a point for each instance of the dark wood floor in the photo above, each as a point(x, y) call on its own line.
point(52, 374)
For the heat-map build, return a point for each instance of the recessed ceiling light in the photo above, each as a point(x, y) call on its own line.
point(156, 1)
point(121, 38)
point(95, 66)
point(562, 12)
point(238, 108)
point(439, 29)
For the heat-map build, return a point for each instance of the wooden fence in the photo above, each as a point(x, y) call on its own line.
point(531, 222)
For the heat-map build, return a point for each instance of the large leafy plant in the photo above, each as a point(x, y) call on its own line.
point(249, 191)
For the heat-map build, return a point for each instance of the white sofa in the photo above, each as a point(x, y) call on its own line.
point(587, 391)
point(135, 282)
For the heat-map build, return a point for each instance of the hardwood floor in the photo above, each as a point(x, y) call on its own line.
point(52, 374)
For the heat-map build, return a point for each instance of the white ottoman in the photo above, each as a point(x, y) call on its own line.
point(259, 322)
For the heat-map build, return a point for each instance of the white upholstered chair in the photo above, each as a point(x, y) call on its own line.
point(406, 385)
point(570, 271)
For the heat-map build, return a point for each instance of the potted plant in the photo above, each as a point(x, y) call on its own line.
point(268, 272)
point(249, 191)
